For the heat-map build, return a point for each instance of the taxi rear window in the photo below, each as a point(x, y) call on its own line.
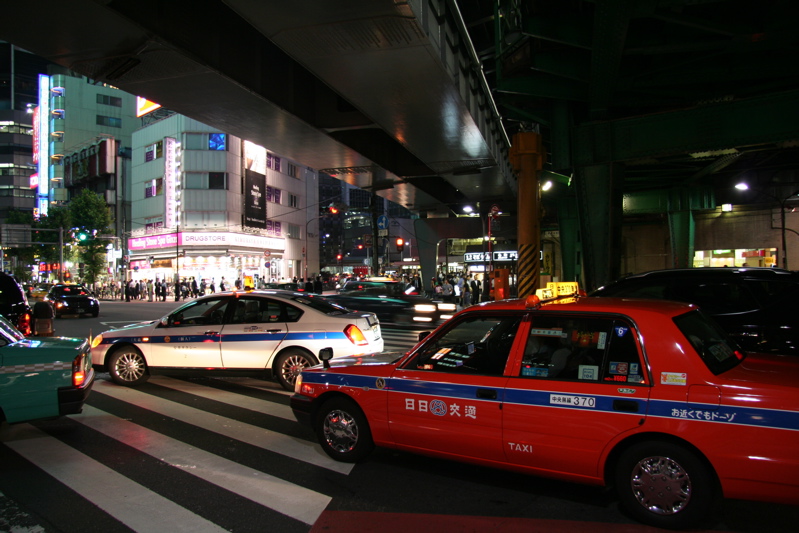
point(717, 351)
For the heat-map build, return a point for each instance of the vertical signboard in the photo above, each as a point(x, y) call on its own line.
point(254, 199)
point(43, 191)
point(171, 184)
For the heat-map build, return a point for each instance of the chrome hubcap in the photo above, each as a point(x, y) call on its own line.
point(661, 485)
point(340, 431)
point(130, 367)
point(292, 367)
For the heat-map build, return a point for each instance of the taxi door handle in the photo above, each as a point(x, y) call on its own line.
point(625, 406)
point(489, 394)
point(209, 332)
point(274, 330)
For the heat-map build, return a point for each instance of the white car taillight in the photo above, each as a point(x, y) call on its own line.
point(355, 335)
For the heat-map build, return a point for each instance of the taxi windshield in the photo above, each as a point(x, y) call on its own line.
point(718, 352)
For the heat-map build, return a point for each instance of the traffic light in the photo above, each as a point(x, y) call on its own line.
point(338, 257)
point(84, 236)
point(400, 244)
point(337, 208)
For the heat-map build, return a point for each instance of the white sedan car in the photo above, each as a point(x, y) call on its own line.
point(276, 333)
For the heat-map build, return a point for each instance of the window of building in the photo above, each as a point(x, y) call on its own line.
point(205, 141)
point(274, 228)
point(273, 194)
point(154, 188)
point(154, 151)
point(272, 161)
point(294, 201)
point(217, 180)
point(291, 170)
point(217, 141)
point(205, 180)
point(293, 231)
point(582, 348)
point(111, 122)
point(109, 100)
point(193, 141)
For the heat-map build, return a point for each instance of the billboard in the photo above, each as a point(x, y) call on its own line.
point(254, 199)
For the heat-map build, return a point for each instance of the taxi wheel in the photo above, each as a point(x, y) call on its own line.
point(289, 364)
point(127, 366)
point(344, 431)
point(666, 485)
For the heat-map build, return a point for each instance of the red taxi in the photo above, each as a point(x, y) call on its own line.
point(650, 397)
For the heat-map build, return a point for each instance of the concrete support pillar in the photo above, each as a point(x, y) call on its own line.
point(527, 157)
point(599, 201)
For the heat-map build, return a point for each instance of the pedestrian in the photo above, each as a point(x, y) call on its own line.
point(466, 300)
point(222, 284)
point(447, 290)
point(149, 290)
point(318, 288)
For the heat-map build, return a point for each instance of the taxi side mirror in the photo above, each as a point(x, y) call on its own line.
point(423, 335)
point(325, 355)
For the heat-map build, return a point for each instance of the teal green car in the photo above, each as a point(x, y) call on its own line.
point(42, 377)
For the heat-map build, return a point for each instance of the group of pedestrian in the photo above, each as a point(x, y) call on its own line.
point(460, 288)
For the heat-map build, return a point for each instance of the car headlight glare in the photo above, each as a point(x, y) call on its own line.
point(447, 307)
point(424, 308)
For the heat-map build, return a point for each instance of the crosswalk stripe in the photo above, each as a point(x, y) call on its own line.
point(138, 508)
point(263, 438)
point(230, 398)
point(284, 497)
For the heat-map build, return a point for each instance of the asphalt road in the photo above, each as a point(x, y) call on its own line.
point(201, 455)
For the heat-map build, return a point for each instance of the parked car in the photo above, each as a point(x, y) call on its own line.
point(392, 301)
point(72, 299)
point(756, 306)
point(14, 304)
point(262, 332)
point(42, 378)
point(650, 397)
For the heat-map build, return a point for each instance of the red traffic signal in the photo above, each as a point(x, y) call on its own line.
point(400, 244)
point(338, 257)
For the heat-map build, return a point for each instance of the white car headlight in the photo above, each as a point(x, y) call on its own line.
point(424, 308)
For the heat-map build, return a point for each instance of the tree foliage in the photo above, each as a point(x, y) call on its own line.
point(88, 211)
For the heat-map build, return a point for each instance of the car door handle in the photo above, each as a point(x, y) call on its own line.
point(626, 406)
point(489, 394)
point(274, 330)
point(209, 332)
